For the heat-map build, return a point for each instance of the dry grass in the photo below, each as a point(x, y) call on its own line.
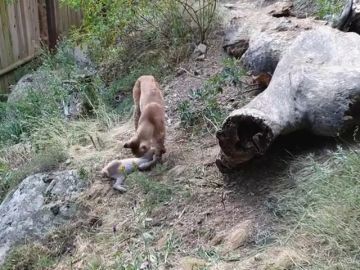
point(177, 209)
point(322, 211)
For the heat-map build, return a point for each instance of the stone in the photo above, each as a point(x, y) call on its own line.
point(278, 259)
point(191, 263)
point(145, 265)
point(230, 6)
point(282, 9)
point(200, 50)
point(200, 57)
point(237, 236)
point(37, 81)
point(37, 206)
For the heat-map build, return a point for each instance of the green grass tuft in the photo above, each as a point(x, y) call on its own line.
point(30, 257)
point(43, 161)
point(323, 211)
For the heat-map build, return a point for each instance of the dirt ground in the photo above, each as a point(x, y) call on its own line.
point(208, 220)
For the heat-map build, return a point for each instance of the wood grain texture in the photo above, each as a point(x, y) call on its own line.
point(23, 28)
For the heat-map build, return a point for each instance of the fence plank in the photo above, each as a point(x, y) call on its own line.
point(13, 31)
point(23, 25)
point(7, 53)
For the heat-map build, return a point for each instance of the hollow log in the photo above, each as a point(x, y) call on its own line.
point(316, 86)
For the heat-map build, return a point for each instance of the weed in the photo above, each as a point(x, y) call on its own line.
point(329, 7)
point(202, 108)
point(208, 254)
point(95, 264)
point(83, 174)
point(202, 14)
point(43, 161)
point(32, 257)
point(155, 193)
point(155, 257)
point(323, 211)
point(44, 254)
point(39, 114)
point(321, 8)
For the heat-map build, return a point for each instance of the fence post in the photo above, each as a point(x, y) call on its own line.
point(51, 20)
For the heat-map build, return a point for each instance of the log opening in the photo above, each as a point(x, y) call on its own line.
point(242, 138)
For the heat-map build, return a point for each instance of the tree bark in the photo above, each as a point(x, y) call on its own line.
point(349, 20)
point(316, 86)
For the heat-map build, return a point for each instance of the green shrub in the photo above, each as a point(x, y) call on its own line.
point(321, 8)
point(25, 117)
point(329, 7)
point(30, 257)
point(124, 36)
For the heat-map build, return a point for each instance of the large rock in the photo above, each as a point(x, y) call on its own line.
point(316, 86)
point(37, 81)
point(40, 203)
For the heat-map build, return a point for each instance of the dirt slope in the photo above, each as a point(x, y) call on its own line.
point(185, 209)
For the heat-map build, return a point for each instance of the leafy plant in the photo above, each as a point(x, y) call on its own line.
point(329, 7)
point(125, 36)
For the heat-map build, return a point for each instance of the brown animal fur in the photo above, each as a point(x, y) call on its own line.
point(149, 117)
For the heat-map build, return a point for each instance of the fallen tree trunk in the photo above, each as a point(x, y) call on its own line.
point(316, 86)
point(349, 19)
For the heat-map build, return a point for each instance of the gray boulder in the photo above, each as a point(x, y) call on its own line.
point(37, 81)
point(41, 203)
point(316, 86)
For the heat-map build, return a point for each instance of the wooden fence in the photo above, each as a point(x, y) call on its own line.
point(26, 25)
